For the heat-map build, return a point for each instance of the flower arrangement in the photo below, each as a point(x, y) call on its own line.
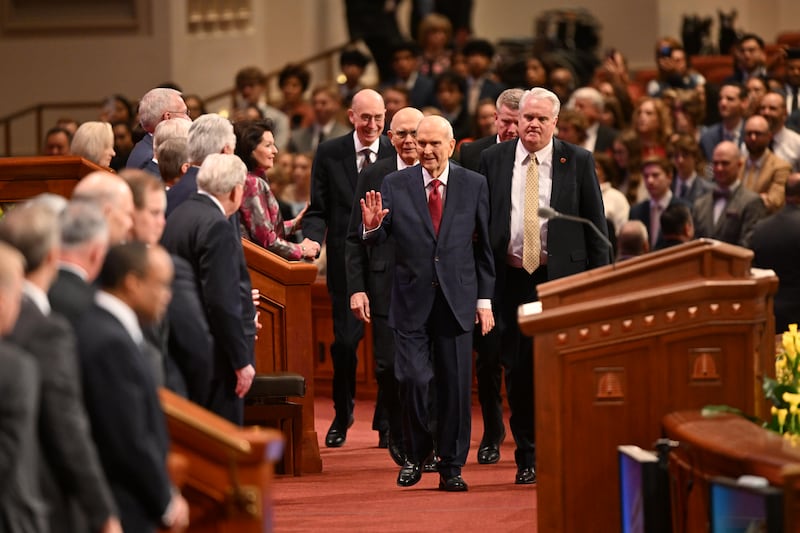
point(784, 390)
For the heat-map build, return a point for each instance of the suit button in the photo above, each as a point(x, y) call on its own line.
point(436, 259)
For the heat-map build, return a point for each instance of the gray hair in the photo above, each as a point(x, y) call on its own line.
point(540, 93)
point(509, 98)
point(221, 173)
point(168, 129)
point(209, 134)
point(154, 104)
point(31, 228)
point(82, 221)
point(587, 93)
point(54, 202)
point(91, 139)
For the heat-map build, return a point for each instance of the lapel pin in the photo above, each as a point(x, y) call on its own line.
point(563, 159)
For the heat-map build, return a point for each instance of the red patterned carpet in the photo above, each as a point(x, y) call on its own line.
point(357, 492)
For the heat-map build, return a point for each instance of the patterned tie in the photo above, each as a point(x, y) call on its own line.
point(435, 205)
point(367, 153)
point(531, 243)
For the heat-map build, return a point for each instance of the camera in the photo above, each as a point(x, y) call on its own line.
point(665, 51)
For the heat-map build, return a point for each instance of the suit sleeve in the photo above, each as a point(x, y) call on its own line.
point(67, 441)
point(751, 214)
point(19, 386)
point(591, 207)
point(355, 253)
point(776, 194)
point(220, 275)
point(484, 259)
point(121, 421)
point(316, 218)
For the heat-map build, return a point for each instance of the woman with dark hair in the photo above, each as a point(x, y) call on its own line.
point(627, 152)
point(116, 108)
point(293, 82)
point(260, 213)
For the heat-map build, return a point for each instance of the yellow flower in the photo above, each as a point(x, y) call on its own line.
point(789, 345)
point(781, 416)
point(791, 399)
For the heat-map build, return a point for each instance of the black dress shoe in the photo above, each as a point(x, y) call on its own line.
point(453, 484)
point(337, 436)
point(431, 464)
point(525, 476)
point(396, 452)
point(488, 454)
point(409, 475)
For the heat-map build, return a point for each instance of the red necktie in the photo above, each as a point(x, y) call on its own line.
point(435, 205)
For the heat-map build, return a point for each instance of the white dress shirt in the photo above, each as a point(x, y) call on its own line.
point(518, 178)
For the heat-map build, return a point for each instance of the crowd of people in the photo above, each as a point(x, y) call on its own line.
point(422, 194)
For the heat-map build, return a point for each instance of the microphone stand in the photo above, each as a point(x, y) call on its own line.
point(550, 213)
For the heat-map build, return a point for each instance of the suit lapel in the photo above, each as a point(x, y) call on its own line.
point(416, 190)
point(454, 190)
point(350, 162)
point(559, 166)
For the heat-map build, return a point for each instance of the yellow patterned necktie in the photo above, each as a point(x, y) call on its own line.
point(531, 242)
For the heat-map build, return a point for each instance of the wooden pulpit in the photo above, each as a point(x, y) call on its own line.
point(618, 347)
point(24, 177)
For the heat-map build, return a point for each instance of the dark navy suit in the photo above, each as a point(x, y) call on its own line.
point(437, 282)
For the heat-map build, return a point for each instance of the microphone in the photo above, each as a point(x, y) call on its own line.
point(548, 213)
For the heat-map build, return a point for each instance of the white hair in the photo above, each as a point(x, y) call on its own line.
point(154, 104)
point(509, 98)
point(91, 139)
point(167, 129)
point(220, 173)
point(540, 93)
point(587, 93)
point(209, 134)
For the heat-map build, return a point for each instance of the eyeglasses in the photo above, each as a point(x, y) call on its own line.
point(184, 112)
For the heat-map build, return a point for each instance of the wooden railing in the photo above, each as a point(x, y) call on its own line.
point(212, 101)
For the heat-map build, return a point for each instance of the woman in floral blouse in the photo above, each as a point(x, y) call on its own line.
point(260, 213)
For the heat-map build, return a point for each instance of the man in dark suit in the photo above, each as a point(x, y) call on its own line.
point(369, 278)
point(773, 242)
point(729, 212)
point(156, 105)
point(443, 282)
point(505, 122)
point(488, 367)
point(200, 232)
point(333, 181)
point(732, 106)
point(528, 250)
point(21, 506)
point(84, 242)
point(657, 176)
point(127, 422)
point(72, 479)
point(590, 104)
point(479, 54)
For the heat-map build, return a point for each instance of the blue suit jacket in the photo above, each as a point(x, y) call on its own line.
point(142, 153)
point(462, 267)
point(713, 136)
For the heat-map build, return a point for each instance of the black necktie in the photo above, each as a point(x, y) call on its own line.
point(721, 193)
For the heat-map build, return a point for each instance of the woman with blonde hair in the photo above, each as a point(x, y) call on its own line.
point(435, 34)
point(94, 141)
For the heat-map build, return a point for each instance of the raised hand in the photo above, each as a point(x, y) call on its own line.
point(372, 211)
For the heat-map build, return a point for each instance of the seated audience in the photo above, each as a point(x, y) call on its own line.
point(750, 59)
point(405, 70)
point(326, 105)
point(627, 151)
point(763, 172)
point(690, 181)
point(293, 82)
point(251, 87)
point(195, 106)
point(732, 104)
point(590, 104)
point(434, 36)
point(94, 141)
point(652, 123)
point(353, 64)
point(632, 240)
point(57, 141)
point(123, 144)
point(756, 89)
point(673, 69)
point(260, 215)
point(395, 98)
point(657, 176)
point(536, 73)
point(479, 54)
point(117, 108)
point(785, 142)
point(616, 206)
point(571, 127)
point(676, 226)
point(450, 93)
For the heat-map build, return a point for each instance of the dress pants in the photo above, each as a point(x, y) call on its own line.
point(347, 332)
point(439, 353)
point(387, 406)
point(488, 370)
point(519, 288)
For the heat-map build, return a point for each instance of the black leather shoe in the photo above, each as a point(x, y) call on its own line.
point(396, 452)
point(409, 475)
point(525, 476)
point(453, 484)
point(431, 464)
point(489, 454)
point(336, 436)
point(383, 438)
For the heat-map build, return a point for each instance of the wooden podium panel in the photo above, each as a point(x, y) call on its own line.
point(730, 446)
point(24, 177)
point(618, 347)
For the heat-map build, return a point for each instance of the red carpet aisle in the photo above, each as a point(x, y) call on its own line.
point(356, 490)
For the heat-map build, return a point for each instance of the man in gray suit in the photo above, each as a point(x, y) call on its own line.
point(730, 211)
point(326, 102)
point(72, 479)
point(21, 508)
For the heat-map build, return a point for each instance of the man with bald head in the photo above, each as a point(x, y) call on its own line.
point(438, 216)
point(115, 199)
point(785, 142)
point(334, 174)
point(730, 211)
point(369, 278)
point(763, 172)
